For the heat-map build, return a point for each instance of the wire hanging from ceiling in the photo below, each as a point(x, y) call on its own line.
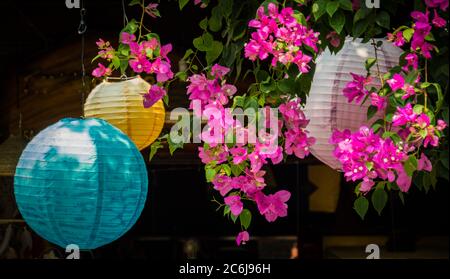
point(82, 27)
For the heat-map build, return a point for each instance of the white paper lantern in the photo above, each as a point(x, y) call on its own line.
point(327, 107)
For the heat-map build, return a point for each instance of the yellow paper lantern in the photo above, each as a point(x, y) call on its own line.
point(120, 103)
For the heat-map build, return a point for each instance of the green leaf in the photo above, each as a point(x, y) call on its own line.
point(338, 21)
point(407, 34)
point(346, 5)
point(154, 148)
point(300, 17)
point(174, 146)
point(441, 99)
point(238, 101)
point(236, 169)
point(369, 63)
point(215, 22)
point(383, 19)
point(418, 108)
point(361, 205)
point(131, 27)
point(214, 52)
point(361, 14)
point(426, 181)
point(410, 165)
point(402, 197)
point(233, 217)
point(245, 218)
point(187, 54)
point(116, 62)
point(332, 7)
point(204, 24)
point(268, 86)
point(251, 102)
point(360, 27)
point(181, 76)
point(210, 174)
point(182, 3)
point(371, 111)
point(379, 199)
point(319, 8)
point(226, 168)
point(134, 2)
point(226, 210)
point(204, 42)
point(123, 66)
point(286, 86)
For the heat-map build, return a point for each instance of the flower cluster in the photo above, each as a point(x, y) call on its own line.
point(237, 166)
point(210, 91)
point(366, 156)
point(280, 34)
point(297, 141)
point(422, 26)
point(143, 54)
point(396, 150)
point(417, 127)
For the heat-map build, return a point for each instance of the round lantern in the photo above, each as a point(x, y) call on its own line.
point(81, 182)
point(120, 103)
point(327, 107)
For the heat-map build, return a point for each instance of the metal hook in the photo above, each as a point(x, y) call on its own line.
point(82, 27)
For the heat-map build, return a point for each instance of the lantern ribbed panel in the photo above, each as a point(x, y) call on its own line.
point(81, 182)
point(327, 107)
point(120, 103)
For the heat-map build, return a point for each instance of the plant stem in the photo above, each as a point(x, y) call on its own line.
point(142, 20)
point(378, 66)
point(425, 90)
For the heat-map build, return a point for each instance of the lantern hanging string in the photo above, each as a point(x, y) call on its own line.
point(125, 22)
point(125, 18)
point(82, 27)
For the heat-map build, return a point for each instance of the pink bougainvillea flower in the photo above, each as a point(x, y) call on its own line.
point(426, 49)
point(239, 155)
point(229, 90)
point(217, 154)
point(256, 161)
point(333, 38)
point(127, 38)
point(155, 94)
point(404, 115)
point(412, 60)
point(403, 181)
point(396, 82)
point(378, 101)
point(223, 184)
point(424, 163)
point(441, 4)
point(101, 71)
point(274, 205)
point(102, 44)
point(165, 50)
point(235, 204)
point(162, 70)
point(438, 21)
point(441, 125)
point(152, 10)
point(140, 64)
point(356, 89)
point(219, 71)
point(409, 91)
point(242, 238)
point(397, 38)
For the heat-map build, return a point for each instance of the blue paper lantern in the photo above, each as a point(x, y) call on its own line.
point(81, 181)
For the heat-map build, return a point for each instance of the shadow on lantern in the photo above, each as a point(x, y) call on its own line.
point(81, 184)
